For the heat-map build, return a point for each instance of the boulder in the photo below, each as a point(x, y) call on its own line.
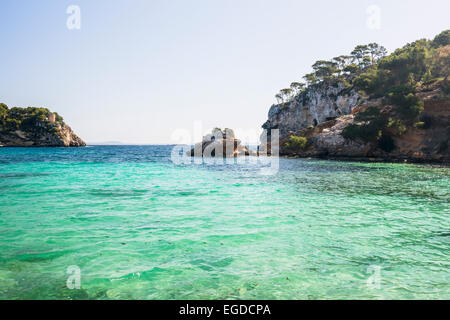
point(219, 144)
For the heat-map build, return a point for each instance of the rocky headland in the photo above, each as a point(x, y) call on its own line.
point(35, 127)
point(388, 108)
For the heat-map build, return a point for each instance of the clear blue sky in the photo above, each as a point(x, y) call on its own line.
point(138, 70)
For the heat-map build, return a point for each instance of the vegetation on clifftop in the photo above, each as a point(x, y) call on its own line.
point(35, 127)
point(397, 78)
point(29, 119)
point(342, 69)
point(398, 75)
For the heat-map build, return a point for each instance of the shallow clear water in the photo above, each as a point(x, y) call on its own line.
point(140, 227)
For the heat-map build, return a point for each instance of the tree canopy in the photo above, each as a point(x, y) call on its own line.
point(27, 119)
point(369, 68)
point(342, 68)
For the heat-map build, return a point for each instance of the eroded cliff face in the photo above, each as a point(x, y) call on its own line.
point(63, 137)
point(325, 139)
point(319, 104)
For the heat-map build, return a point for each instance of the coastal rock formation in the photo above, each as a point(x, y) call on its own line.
point(35, 127)
point(220, 143)
point(426, 144)
point(64, 137)
point(319, 104)
point(369, 105)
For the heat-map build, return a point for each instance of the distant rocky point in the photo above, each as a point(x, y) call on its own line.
point(219, 143)
point(35, 127)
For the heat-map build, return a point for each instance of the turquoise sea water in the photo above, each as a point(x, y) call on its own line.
point(140, 227)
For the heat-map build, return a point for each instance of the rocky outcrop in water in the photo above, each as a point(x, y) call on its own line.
point(220, 143)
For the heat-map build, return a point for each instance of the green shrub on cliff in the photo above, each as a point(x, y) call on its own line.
point(375, 127)
point(419, 125)
point(296, 143)
point(409, 105)
point(368, 126)
point(397, 126)
point(363, 132)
